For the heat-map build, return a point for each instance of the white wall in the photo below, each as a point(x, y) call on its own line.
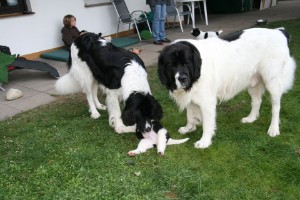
point(28, 34)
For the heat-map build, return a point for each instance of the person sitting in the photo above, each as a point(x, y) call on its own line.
point(70, 32)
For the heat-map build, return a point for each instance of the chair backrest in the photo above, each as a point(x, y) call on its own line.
point(171, 7)
point(122, 10)
point(171, 3)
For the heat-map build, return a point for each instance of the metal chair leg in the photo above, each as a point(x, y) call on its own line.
point(180, 22)
point(118, 29)
point(137, 30)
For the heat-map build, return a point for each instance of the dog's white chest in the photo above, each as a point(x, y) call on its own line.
point(151, 136)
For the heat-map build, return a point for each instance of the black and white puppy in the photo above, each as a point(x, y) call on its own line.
point(199, 35)
point(151, 135)
point(120, 74)
point(198, 73)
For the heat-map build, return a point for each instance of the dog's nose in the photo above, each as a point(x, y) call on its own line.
point(182, 78)
point(148, 129)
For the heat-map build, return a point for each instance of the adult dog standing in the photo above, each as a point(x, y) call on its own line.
point(121, 75)
point(198, 73)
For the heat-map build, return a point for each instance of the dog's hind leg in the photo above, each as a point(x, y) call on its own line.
point(256, 93)
point(95, 96)
point(143, 146)
point(275, 92)
point(193, 118)
point(88, 90)
point(161, 141)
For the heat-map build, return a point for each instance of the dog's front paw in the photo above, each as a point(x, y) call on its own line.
point(203, 143)
point(132, 153)
point(101, 106)
point(248, 119)
point(125, 129)
point(273, 131)
point(119, 130)
point(95, 115)
point(184, 130)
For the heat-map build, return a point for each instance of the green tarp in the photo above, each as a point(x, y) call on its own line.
point(5, 60)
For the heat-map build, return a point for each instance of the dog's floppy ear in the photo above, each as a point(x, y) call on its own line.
point(132, 109)
point(155, 109)
point(86, 41)
point(161, 67)
point(150, 108)
point(130, 114)
point(195, 58)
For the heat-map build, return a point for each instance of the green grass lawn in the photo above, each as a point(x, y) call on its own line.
point(58, 152)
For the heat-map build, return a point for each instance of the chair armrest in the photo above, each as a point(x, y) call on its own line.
point(139, 12)
point(173, 9)
point(183, 7)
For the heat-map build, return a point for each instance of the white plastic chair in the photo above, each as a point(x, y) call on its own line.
point(205, 10)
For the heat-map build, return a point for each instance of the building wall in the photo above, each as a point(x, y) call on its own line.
point(37, 32)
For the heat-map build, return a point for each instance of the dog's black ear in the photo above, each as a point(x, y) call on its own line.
point(196, 62)
point(150, 108)
point(156, 109)
point(86, 41)
point(130, 114)
point(161, 68)
point(132, 110)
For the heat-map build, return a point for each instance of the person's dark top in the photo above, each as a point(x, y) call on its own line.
point(69, 35)
point(152, 3)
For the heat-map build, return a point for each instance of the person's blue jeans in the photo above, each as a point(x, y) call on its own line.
point(158, 22)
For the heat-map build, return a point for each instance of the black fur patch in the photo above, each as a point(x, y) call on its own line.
point(107, 63)
point(286, 34)
point(232, 37)
point(195, 32)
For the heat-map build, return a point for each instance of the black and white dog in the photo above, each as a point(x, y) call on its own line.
point(151, 135)
point(199, 35)
point(198, 73)
point(120, 74)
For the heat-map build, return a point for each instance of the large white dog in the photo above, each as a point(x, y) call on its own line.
point(198, 73)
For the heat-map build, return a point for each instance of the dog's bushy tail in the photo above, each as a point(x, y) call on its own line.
point(67, 85)
point(173, 141)
point(289, 73)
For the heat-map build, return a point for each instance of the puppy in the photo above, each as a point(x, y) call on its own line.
point(199, 35)
point(120, 74)
point(151, 135)
point(198, 73)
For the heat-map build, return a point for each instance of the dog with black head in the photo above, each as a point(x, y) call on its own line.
point(198, 73)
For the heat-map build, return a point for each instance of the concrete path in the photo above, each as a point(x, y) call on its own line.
point(38, 87)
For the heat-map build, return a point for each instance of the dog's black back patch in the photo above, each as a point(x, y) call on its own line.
point(106, 61)
point(232, 37)
point(285, 33)
point(205, 35)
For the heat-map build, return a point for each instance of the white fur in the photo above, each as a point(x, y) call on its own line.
point(151, 138)
point(259, 60)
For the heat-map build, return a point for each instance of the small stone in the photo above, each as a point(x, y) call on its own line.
point(13, 94)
